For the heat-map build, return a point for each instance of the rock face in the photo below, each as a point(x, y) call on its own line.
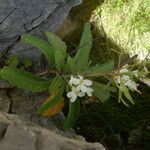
point(25, 104)
point(30, 16)
point(18, 135)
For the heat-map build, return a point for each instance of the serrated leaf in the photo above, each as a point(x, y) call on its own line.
point(24, 79)
point(56, 108)
point(101, 91)
point(101, 68)
point(74, 110)
point(13, 61)
point(56, 83)
point(82, 55)
point(57, 43)
point(41, 45)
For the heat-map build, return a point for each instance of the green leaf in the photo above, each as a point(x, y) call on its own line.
point(41, 45)
point(56, 43)
point(82, 55)
point(70, 65)
point(74, 110)
point(101, 68)
point(102, 91)
point(56, 83)
point(24, 79)
point(52, 102)
point(127, 94)
point(59, 60)
point(13, 61)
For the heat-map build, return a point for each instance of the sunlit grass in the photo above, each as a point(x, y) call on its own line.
point(127, 24)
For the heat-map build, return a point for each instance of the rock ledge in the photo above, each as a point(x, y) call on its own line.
point(16, 134)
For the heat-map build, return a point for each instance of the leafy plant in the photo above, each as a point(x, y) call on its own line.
point(66, 74)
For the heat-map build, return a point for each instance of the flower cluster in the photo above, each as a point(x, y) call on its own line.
point(126, 80)
point(142, 76)
point(79, 88)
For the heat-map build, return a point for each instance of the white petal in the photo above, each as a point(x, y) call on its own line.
point(89, 94)
point(83, 88)
point(87, 82)
point(90, 89)
point(80, 77)
point(131, 85)
point(123, 70)
point(70, 94)
point(146, 81)
point(75, 81)
point(80, 94)
point(125, 77)
point(73, 98)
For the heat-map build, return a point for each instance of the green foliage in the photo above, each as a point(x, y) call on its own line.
point(102, 91)
point(64, 66)
point(125, 91)
point(41, 45)
point(24, 79)
point(56, 43)
point(59, 60)
point(70, 64)
point(82, 55)
point(101, 68)
point(13, 61)
point(74, 110)
point(56, 83)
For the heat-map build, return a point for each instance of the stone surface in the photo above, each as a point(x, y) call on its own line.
point(30, 16)
point(25, 104)
point(20, 135)
point(4, 101)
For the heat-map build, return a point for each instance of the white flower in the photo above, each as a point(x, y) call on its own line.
point(126, 80)
point(80, 87)
point(131, 85)
point(145, 80)
point(74, 81)
point(84, 86)
point(75, 92)
point(84, 82)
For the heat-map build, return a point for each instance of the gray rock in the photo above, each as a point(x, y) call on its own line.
point(20, 135)
point(30, 16)
point(25, 104)
point(4, 101)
